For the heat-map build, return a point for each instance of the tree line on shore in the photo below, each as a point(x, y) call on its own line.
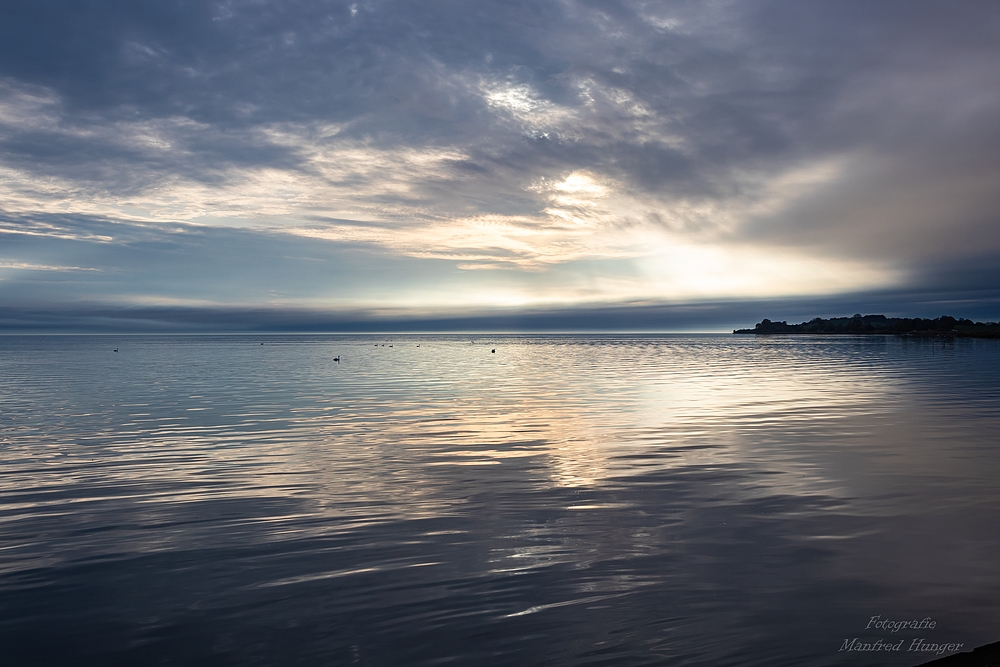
point(880, 324)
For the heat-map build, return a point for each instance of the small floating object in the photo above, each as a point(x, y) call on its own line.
point(494, 351)
point(116, 349)
point(337, 359)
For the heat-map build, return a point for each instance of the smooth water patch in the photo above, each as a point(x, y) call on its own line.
point(696, 500)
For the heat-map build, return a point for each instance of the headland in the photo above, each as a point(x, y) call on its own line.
point(880, 324)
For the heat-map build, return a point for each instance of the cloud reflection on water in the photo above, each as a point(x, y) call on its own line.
point(704, 496)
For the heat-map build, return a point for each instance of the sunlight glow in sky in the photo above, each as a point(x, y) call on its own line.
point(423, 158)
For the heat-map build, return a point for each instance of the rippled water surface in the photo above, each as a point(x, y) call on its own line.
point(564, 500)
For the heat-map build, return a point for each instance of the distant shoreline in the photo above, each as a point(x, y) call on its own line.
point(880, 325)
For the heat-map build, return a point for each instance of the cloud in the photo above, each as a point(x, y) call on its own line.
point(27, 266)
point(588, 150)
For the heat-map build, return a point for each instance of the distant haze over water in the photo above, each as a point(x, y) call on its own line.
point(566, 499)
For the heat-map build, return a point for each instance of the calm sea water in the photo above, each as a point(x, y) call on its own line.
point(564, 500)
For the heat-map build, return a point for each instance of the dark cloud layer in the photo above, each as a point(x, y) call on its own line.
point(738, 82)
point(717, 316)
point(854, 130)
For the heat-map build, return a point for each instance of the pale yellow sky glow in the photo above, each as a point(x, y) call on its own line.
point(678, 248)
point(558, 236)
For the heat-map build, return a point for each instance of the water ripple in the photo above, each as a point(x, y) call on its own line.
point(697, 500)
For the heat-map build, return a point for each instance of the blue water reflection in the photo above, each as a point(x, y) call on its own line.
point(696, 500)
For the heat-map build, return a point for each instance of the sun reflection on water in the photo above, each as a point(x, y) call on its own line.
point(591, 479)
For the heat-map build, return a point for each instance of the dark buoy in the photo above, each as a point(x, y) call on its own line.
point(116, 349)
point(337, 359)
point(493, 351)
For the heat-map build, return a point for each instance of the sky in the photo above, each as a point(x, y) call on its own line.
point(546, 165)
